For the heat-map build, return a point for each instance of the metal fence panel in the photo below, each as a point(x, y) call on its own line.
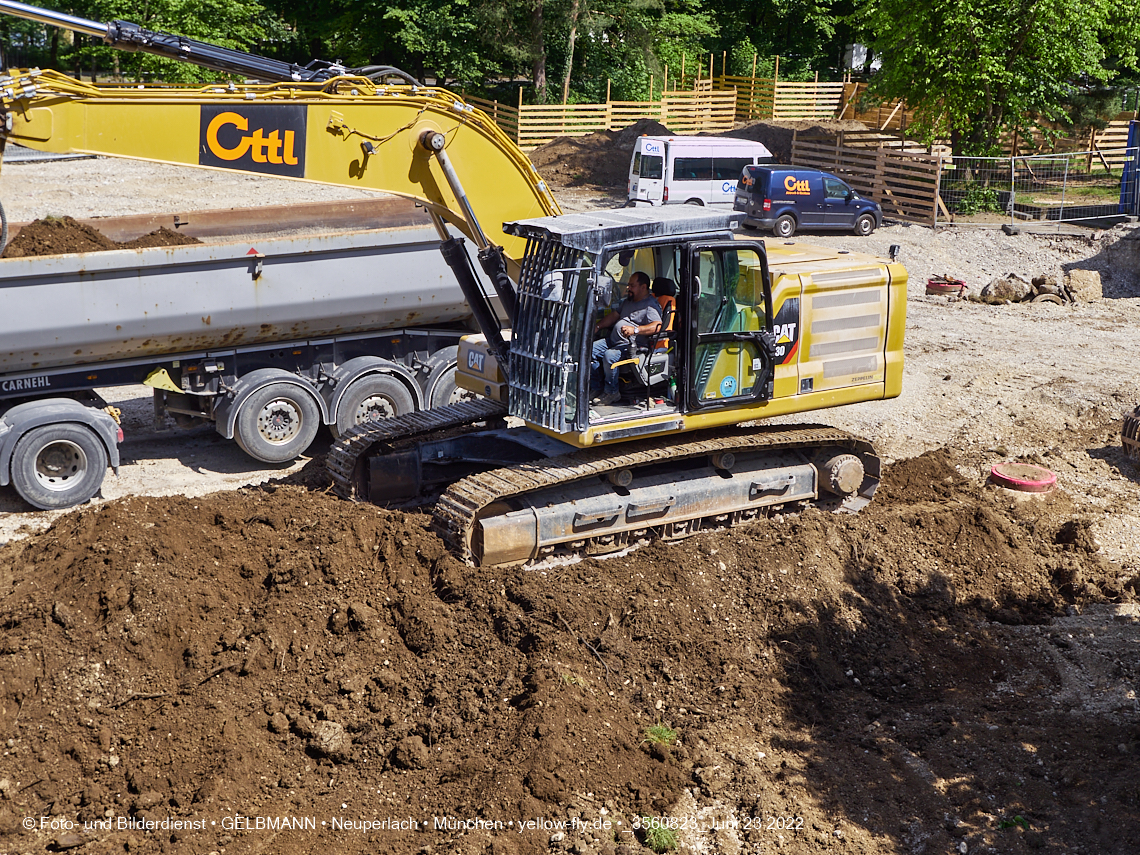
point(1094, 188)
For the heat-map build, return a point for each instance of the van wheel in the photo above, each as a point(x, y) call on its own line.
point(696, 202)
point(785, 226)
point(864, 225)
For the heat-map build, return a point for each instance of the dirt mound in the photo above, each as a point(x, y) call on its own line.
point(599, 159)
point(56, 236)
point(159, 237)
point(777, 136)
point(279, 653)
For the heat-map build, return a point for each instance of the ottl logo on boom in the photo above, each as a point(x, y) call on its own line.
point(268, 138)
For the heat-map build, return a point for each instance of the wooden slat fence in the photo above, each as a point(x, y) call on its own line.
point(505, 116)
point(755, 96)
point(906, 184)
point(532, 125)
point(891, 116)
point(807, 100)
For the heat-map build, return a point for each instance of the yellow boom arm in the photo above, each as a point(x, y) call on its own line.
point(348, 131)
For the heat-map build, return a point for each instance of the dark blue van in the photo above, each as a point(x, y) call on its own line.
point(787, 198)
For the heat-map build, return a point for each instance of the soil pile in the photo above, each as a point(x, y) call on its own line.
point(813, 681)
point(777, 136)
point(60, 235)
point(601, 159)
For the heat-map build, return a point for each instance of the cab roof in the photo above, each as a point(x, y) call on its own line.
point(594, 230)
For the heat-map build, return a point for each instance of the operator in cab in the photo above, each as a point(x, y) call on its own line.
point(637, 318)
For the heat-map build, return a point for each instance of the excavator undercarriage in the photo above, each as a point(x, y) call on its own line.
point(597, 500)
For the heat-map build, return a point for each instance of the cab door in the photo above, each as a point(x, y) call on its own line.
point(838, 204)
point(647, 172)
point(729, 343)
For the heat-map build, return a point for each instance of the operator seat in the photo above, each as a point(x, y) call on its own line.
point(651, 366)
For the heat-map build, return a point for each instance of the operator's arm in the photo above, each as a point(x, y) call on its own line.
point(644, 329)
point(606, 322)
point(651, 326)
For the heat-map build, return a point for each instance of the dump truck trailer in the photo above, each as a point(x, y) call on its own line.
point(266, 338)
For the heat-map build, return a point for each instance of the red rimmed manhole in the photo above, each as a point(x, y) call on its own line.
point(1024, 477)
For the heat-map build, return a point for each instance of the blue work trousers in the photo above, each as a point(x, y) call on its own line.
point(602, 359)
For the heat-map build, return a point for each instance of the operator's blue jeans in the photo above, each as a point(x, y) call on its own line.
point(605, 355)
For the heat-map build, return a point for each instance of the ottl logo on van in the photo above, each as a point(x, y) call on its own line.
point(266, 138)
point(797, 188)
point(652, 147)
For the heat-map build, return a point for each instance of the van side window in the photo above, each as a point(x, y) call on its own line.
point(692, 169)
point(652, 166)
point(636, 163)
point(729, 168)
point(833, 188)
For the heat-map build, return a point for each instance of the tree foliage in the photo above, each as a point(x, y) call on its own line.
point(968, 68)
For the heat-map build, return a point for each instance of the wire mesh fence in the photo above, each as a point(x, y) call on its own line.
point(1098, 187)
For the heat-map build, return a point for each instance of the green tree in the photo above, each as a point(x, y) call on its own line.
point(969, 68)
point(240, 24)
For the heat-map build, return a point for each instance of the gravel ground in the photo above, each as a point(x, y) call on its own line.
point(996, 380)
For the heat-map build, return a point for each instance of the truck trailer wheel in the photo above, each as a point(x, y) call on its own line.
point(58, 466)
point(441, 388)
point(371, 398)
point(277, 423)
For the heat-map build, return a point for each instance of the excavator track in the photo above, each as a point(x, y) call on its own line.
point(458, 511)
point(1130, 434)
point(347, 453)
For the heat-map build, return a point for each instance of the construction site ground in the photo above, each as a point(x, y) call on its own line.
point(228, 646)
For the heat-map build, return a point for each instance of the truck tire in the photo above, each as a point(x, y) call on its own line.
point(58, 466)
point(864, 225)
point(785, 226)
point(440, 389)
point(277, 423)
point(372, 397)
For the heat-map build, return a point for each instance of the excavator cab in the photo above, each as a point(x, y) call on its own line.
point(575, 267)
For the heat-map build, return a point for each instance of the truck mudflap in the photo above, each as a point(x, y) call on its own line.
point(598, 500)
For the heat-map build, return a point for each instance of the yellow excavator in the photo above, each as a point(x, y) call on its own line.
point(530, 467)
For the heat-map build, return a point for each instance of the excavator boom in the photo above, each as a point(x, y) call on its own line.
point(320, 123)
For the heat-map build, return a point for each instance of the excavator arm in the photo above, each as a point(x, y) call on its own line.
point(348, 130)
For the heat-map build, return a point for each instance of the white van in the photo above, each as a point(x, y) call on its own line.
point(699, 170)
